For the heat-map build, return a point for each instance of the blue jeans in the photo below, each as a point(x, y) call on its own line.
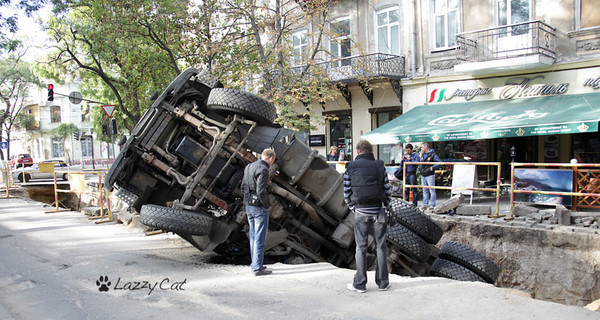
point(258, 221)
point(411, 179)
point(428, 181)
point(365, 224)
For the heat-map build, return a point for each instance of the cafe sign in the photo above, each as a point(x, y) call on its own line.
point(516, 87)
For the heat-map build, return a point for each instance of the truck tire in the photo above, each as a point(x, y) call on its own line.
point(471, 259)
point(417, 221)
point(448, 269)
point(174, 220)
point(237, 101)
point(408, 242)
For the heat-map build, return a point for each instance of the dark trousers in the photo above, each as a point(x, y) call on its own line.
point(365, 224)
point(411, 179)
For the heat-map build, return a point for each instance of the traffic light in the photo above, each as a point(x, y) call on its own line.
point(113, 127)
point(50, 92)
point(76, 135)
point(105, 129)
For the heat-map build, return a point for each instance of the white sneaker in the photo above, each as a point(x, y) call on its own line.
point(351, 287)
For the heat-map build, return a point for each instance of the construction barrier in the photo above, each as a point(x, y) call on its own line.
point(340, 166)
point(496, 190)
point(6, 180)
point(556, 193)
point(77, 185)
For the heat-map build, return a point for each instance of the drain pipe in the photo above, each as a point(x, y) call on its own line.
point(412, 34)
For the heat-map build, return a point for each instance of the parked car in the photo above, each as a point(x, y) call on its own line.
point(20, 160)
point(25, 174)
point(182, 166)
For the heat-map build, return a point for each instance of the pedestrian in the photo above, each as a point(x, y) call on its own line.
point(333, 154)
point(257, 203)
point(411, 172)
point(428, 175)
point(367, 193)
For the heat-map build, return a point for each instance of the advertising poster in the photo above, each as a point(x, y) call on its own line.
point(544, 180)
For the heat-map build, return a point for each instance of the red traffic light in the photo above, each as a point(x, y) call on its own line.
point(50, 92)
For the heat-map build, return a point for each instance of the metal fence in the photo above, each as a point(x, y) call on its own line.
point(520, 39)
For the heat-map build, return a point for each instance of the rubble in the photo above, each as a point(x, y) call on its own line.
point(449, 204)
point(473, 210)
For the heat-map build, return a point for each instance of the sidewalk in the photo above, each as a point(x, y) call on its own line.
point(51, 263)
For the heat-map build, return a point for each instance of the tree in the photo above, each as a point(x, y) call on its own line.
point(268, 27)
point(16, 79)
point(64, 131)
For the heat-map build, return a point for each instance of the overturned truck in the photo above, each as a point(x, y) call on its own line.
point(182, 166)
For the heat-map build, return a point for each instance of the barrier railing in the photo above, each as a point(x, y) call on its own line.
point(97, 164)
point(77, 186)
point(556, 193)
point(496, 190)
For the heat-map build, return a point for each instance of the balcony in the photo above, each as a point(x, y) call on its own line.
point(518, 46)
point(364, 67)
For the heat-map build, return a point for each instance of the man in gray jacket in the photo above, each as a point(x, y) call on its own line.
point(257, 203)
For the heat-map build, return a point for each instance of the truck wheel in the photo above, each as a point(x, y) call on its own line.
point(244, 103)
point(415, 220)
point(451, 270)
point(408, 242)
point(471, 259)
point(174, 220)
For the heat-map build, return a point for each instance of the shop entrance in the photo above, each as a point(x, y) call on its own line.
point(340, 135)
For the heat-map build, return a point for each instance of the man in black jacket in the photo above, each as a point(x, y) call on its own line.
point(257, 203)
point(367, 192)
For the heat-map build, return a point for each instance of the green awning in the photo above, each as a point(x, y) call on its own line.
point(560, 114)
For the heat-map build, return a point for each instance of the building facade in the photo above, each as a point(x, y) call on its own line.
point(40, 139)
point(474, 54)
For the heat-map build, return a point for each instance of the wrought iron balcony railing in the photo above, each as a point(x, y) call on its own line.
point(369, 66)
point(521, 39)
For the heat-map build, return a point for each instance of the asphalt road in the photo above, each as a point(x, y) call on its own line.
point(63, 266)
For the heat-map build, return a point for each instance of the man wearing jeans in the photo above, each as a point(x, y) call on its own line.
point(411, 173)
point(257, 203)
point(367, 192)
point(428, 175)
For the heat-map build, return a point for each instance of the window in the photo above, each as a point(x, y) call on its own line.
point(339, 46)
point(300, 44)
point(513, 12)
point(86, 146)
point(388, 26)
point(58, 148)
point(446, 22)
point(55, 114)
point(589, 14)
point(381, 116)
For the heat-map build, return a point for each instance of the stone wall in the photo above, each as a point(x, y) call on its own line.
point(560, 264)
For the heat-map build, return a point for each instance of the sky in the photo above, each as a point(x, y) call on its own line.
point(30, 31)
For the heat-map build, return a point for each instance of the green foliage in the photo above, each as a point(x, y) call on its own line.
point(64, 130)
point(125, 50)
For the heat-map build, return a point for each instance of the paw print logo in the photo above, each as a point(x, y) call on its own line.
point(103, 283)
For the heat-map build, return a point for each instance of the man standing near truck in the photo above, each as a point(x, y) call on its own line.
point(367, 193)
point(257, 203)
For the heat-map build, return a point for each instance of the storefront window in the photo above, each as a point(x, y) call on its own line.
point(587, 147)
point(388, 152)
point(340, 135)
